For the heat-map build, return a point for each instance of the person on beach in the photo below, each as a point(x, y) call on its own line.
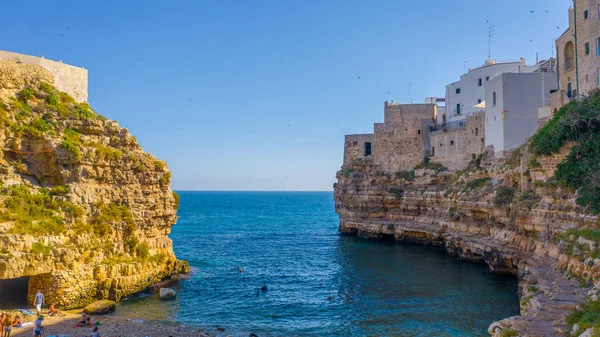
point(38, 300)
point(7, 326)
point(17, 322)
point(53, 310)
point(95, 333)
point(38, 326)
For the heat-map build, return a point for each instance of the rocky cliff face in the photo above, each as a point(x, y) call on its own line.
point(85, 213)
point(507, 213)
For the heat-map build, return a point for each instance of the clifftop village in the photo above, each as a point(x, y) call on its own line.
point(493, 108)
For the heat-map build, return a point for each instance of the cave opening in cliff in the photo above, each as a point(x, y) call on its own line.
point(388, 237)
point(13, 293)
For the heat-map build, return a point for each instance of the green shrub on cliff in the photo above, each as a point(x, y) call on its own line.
point(504, 196)
point(72, 148)
point(59, 190)
point(177, 200)
point(106, 153)
point(26, 94)
point(588, 316)
point(38, 248)
point(479, 182)
point(37, 213)
point(45, 87)
point(142, 250)
point(429, 165)
point(72, 137)
point(406, 175)
point(509, 333)
point(578, 122)
point(107, 216)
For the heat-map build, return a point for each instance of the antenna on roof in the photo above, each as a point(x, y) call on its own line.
point(410, 98)
point(491, 32)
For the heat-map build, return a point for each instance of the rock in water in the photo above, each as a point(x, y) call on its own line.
point(100, 307)
point(167, 294)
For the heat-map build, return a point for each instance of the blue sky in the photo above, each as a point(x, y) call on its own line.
point(257, 95)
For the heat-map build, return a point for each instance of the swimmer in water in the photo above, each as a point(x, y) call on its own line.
point(264, 287)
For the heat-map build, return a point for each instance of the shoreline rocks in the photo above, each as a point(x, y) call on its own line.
point(101, 307)
point(167, 294)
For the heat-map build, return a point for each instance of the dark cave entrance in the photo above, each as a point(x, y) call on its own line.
point(13, 293)
point(388, 237)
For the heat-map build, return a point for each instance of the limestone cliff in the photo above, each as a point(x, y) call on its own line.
point(85, 213)
point(507, 213)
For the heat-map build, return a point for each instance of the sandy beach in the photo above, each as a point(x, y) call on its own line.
point(110, 327)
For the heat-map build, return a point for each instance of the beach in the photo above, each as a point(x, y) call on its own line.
point(110, 327)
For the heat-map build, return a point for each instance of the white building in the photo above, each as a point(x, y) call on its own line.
point(463, 96)
point(512, 102)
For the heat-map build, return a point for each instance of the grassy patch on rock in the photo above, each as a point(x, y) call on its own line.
point(577, 122)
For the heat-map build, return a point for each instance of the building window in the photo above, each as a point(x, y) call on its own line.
point(569, 53)
point(433, 151)
point(440, 144)
point(487, 78)
point(458, 108)
point(494, 98)
point(587, 78)
point(598, 79)
point(587, 48)
point(478, 100)
point(477, 131)
point(458, 90)
point(418, 132)
point(585, 15)
point(569, 90)
point(367, 149)
point(451, 142)
point(598, 47)
point(354, 143)
point(479, 82)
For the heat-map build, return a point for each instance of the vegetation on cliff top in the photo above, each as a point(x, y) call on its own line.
point(37, 213)
point(577, 122)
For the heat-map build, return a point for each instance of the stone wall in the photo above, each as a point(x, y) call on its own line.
point(588, 30)
point(400, 146)
point(455, 148)
point(70, 79)
point(395, 112)
point(354, 147)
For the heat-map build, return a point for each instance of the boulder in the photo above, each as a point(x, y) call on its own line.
point(100, 307)
point(587, 333)
point(167, 294)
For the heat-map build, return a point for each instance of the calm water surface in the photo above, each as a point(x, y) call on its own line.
point(289, 241)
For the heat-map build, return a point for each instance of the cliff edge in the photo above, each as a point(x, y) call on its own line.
point(532, 213)
point(85, 213)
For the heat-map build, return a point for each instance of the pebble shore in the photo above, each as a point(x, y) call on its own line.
point(110, 327)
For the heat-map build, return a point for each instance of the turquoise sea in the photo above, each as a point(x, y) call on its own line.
point(289, 241)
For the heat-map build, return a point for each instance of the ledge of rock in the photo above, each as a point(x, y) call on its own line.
point(101, 307)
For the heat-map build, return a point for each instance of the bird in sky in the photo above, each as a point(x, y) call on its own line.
point(358, 77)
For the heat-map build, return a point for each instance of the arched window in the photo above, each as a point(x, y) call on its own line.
point(569, 55)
